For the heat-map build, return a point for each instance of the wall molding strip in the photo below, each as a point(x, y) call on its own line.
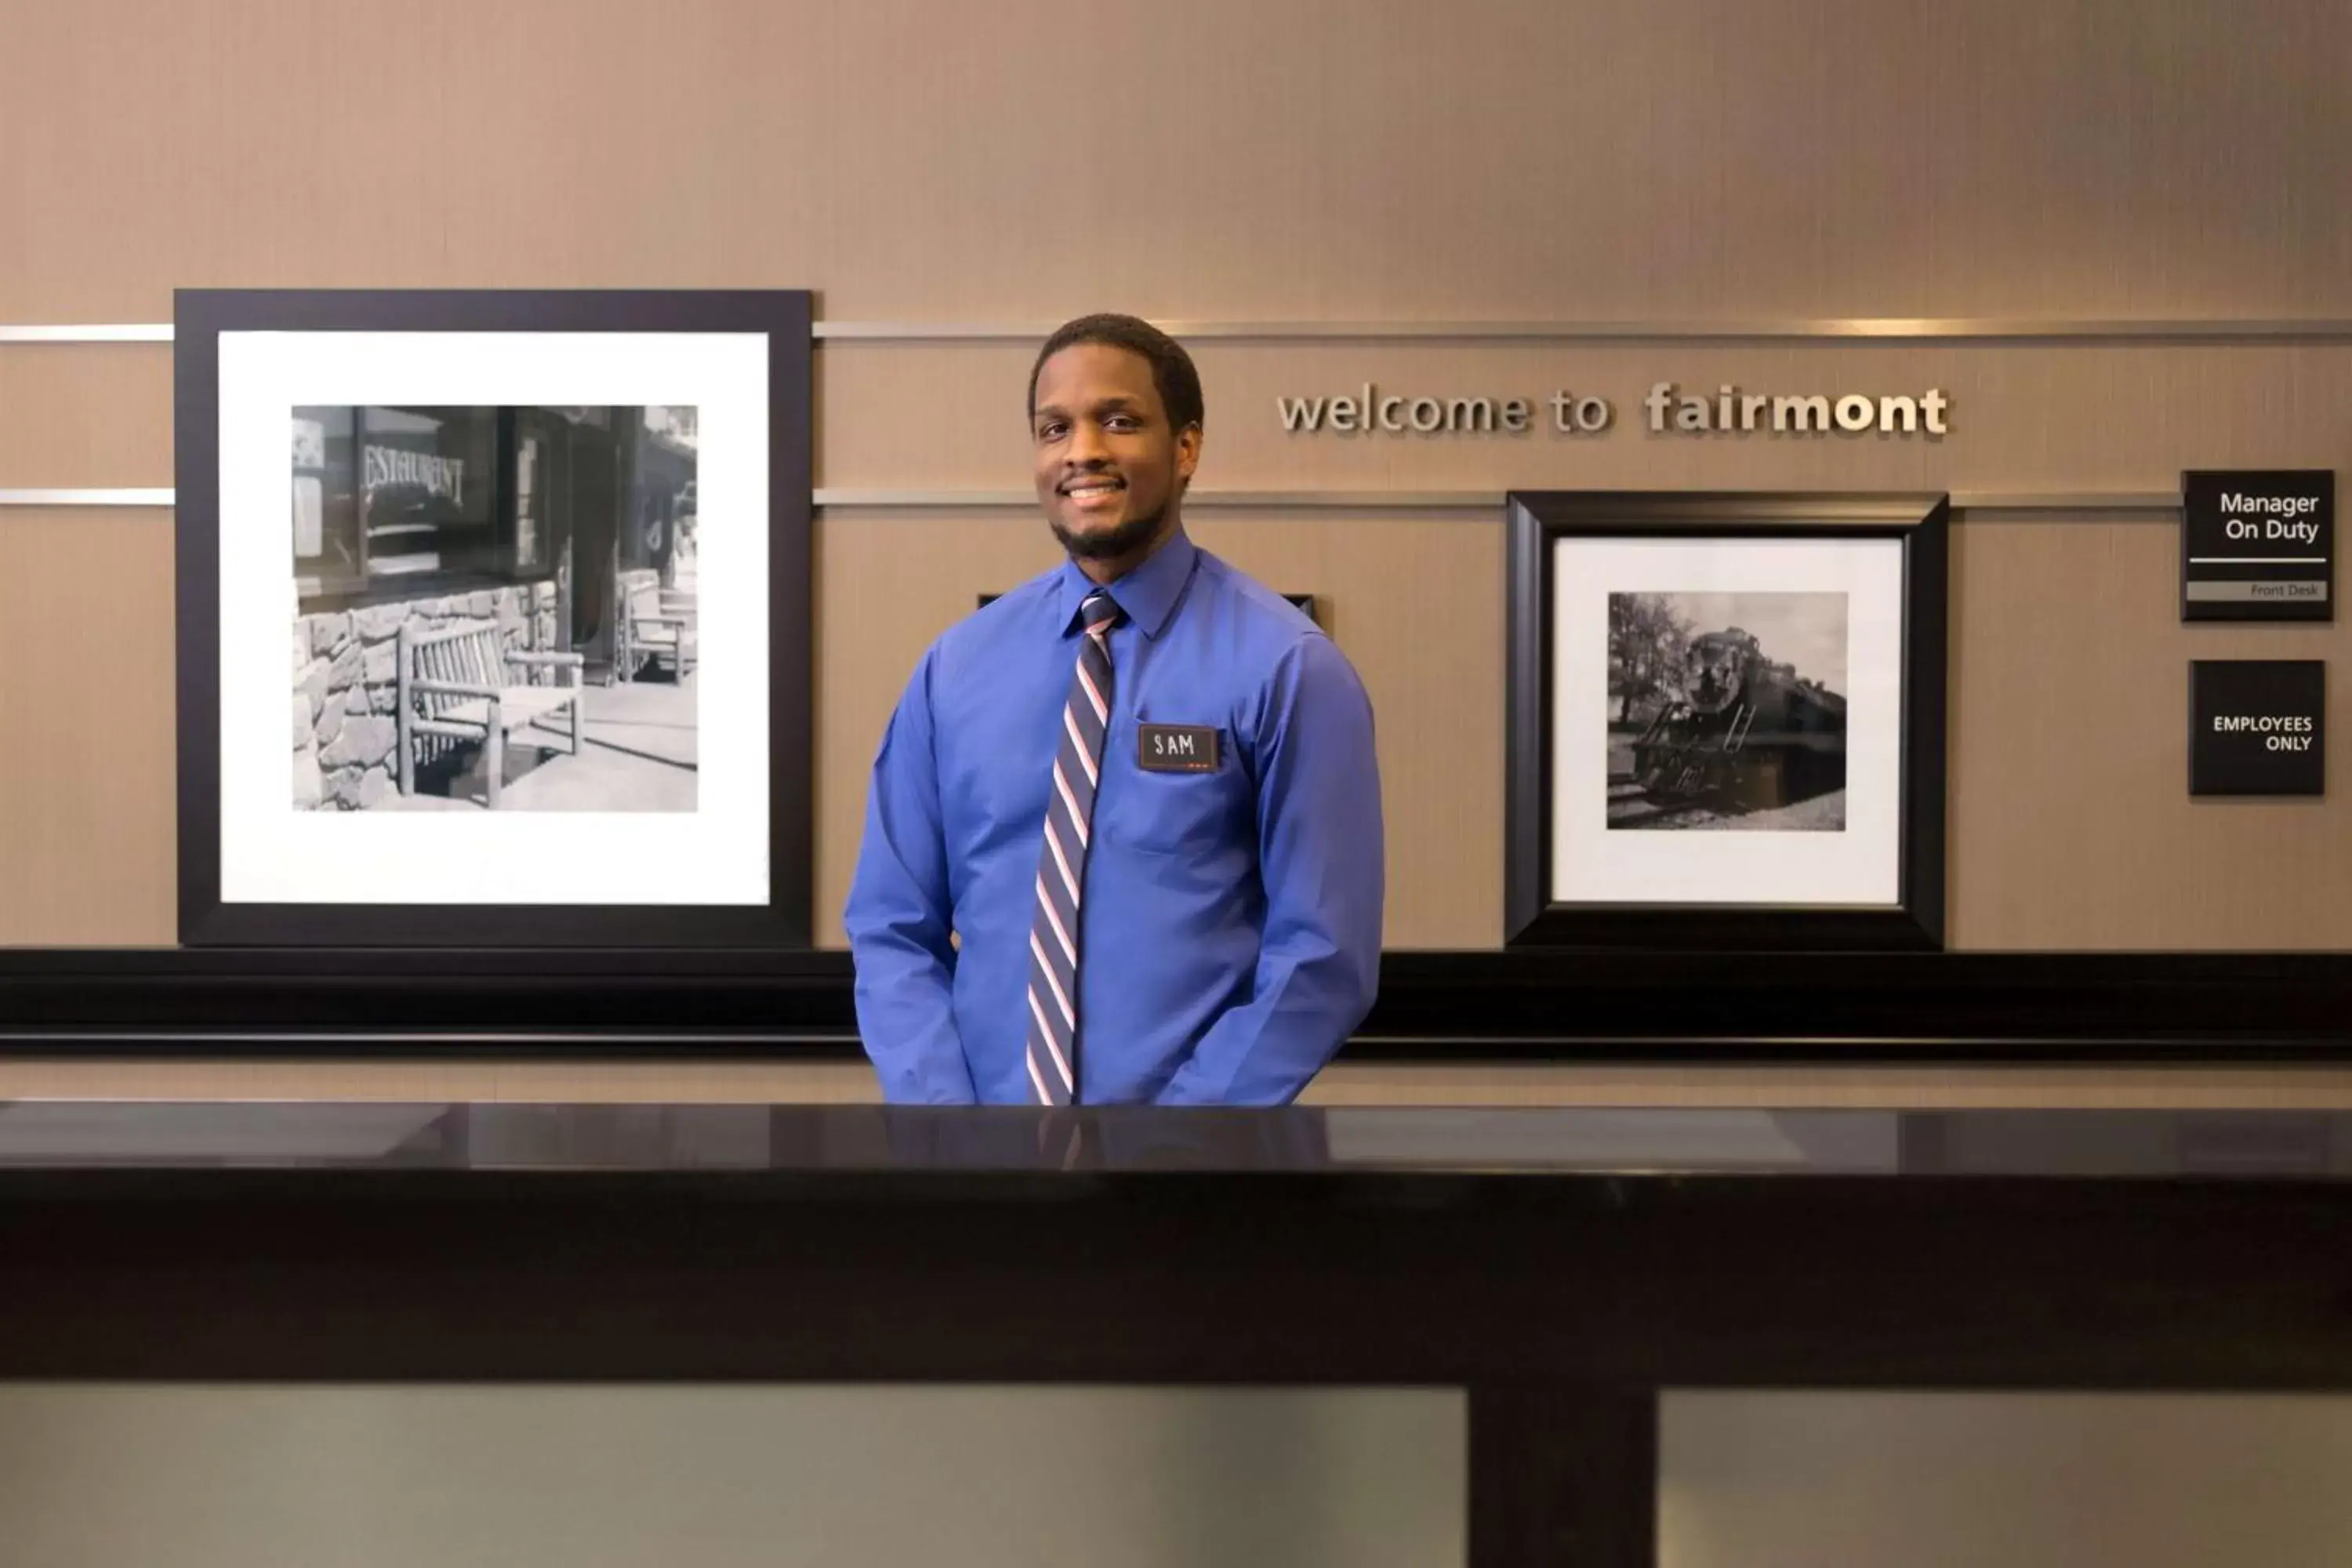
point(1988, 504)
point(127, 498)
point(839, 498)
point(1857, 329)
point(1903, 328)
point(1985, 503)
point(2161, 504)
point(118, 332)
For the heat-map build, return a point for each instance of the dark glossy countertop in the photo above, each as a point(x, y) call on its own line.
point(1899, 1146)
point(1599, 1248)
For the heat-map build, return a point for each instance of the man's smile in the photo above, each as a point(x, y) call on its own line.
point(1093, 489)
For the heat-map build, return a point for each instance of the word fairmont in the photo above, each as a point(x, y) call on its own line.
point(1729, 410)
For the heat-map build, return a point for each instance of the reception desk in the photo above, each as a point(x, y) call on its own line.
point(1564, 1268)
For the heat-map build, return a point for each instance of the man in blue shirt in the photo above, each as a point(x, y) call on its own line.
point(1123, 841)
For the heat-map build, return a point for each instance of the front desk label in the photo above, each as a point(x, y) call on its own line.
point(2258, 546)
point(2257, 726)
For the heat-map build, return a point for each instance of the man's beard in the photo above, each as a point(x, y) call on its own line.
point(1109, 543)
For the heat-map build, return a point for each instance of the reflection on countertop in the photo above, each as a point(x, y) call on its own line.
point(810, 1139)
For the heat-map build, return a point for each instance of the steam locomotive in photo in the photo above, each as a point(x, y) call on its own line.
point(1745, 732)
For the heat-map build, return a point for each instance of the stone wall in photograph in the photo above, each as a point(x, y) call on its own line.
point(345, 685)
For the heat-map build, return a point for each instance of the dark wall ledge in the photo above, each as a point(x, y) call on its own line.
point(1433, 1007)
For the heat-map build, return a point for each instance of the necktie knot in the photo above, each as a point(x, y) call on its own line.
point(1099, 612)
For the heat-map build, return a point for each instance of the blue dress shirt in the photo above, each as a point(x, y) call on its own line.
point(1229, 932)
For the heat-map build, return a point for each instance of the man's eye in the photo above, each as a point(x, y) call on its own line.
point(1049, 432)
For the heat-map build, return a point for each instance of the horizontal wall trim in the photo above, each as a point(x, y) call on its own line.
point(1855, 329)
point(2158, 503)
point(852, 499)
point(128, 497)
point(2123, 503)
point(1900, 329)
point(108, 332)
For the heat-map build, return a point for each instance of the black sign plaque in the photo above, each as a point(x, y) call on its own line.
point(2258, 545)
point(2257, 726)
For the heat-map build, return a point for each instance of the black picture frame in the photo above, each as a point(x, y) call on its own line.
point(1533, 917)
point(784, 317)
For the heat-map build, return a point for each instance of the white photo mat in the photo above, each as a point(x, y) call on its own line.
point(1858, 867)
point(717, 854)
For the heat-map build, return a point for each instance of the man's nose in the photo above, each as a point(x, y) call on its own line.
point(1086, 444)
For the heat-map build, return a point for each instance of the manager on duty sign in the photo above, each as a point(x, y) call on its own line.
point(2258, 545)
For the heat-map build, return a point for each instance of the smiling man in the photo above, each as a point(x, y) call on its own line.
point(1123, 840)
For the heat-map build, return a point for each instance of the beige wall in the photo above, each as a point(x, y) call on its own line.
point(1358, 162)
point(1231, 160)
point(1342, 159)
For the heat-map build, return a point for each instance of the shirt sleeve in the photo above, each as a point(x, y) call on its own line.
point(899, 916)
point(1321, 859)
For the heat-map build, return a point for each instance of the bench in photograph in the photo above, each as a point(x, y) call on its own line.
point(654, 628)
point(463, 682)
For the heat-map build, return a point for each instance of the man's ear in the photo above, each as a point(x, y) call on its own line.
point(1188, 452)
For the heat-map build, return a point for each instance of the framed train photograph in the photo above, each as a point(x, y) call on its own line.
point(494, 617)
point(1726, 719)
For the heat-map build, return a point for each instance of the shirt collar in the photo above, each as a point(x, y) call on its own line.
point(1148, 595)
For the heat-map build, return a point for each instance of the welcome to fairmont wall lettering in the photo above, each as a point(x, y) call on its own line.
point(1667, 409)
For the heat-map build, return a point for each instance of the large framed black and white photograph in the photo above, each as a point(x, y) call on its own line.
point(494, 618)
point(1726, 719)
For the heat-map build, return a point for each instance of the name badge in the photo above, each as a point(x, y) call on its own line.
point(1176, 748)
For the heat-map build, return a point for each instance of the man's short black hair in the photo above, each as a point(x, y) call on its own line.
point(1171, 367)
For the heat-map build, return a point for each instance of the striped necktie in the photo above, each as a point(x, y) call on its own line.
point(1062, 863)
